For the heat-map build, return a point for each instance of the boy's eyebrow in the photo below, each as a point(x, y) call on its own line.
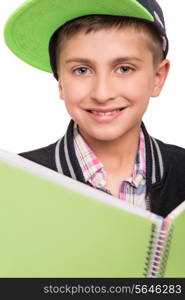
point(114, 61)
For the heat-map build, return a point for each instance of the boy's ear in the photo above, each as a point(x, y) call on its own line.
point(60, 88)
point(161, 74)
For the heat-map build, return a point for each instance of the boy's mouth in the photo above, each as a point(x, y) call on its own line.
point(105, 115)
point(107, 112)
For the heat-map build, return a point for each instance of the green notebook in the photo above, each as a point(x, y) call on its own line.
point(53, 226)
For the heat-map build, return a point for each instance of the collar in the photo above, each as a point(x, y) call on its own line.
point(154, 160)
point(67, 162)
point(89, 163)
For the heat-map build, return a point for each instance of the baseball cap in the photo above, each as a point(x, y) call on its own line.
point(30, 30)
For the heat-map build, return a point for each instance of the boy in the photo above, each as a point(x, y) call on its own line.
point(109, 58)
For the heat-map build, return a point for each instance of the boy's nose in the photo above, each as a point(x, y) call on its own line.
point(103, 89)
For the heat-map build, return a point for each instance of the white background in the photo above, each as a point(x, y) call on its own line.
point(32, 116)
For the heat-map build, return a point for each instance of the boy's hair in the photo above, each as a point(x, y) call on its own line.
point(93, 23)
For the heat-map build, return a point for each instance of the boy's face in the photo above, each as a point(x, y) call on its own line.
point(106, 79)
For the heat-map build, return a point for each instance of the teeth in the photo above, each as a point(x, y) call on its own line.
point(109, 113)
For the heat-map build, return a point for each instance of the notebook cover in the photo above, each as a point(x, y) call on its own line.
point(47, 230)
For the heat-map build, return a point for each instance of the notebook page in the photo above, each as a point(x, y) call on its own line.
point(175, 266)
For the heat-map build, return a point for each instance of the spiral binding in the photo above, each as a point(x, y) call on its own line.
point(166, 252)
point(150, 250)
point(157, 253)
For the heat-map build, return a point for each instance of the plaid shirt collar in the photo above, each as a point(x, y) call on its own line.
point(93, 170)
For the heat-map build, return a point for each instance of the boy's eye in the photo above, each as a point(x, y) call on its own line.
point(80, 71)
point(124, 69)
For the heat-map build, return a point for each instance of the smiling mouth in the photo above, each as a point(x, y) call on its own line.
point(105, 113)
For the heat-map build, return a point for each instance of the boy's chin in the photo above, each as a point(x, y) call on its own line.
point(106, 136)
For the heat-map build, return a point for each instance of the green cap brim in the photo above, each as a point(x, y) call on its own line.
point(28, 30)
